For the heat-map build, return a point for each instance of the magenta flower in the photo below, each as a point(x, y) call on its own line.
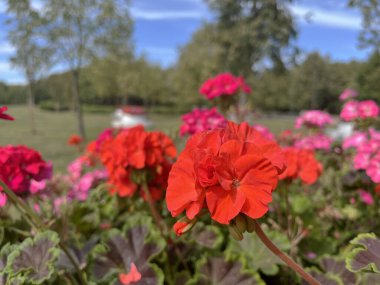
point(313, 119)
point(314, 142)
point(4, 116)
point(361, 160)
point(200, 120)
point(348, 94)
point(368, 109)
point(224, 84)
point(3, 199)
point(373, 169)
point(366, 197)
point(350, 111)
point(355, 140)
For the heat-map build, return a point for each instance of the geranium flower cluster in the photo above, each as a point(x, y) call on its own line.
point(367, 155)
point(19, 166)
point(302, 164)
point(224, 84)
point(200, 120)
point(134, 151)
point(4, 116)
point(348, 94)
point(81, 181)
point(314, 142)
point(313, 119)
point(228, 171)
point(353, 110)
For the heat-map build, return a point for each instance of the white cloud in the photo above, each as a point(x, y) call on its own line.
point(327, 18)
point(165, 15)
point(6, 48)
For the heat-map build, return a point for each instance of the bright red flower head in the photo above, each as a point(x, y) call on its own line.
point(228, 171)
point(3, 115)
point(301, 164)
point(75, 140)
point(133, 276)
point(133, 150)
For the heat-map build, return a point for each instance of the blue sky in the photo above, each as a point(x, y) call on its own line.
point(162, 26)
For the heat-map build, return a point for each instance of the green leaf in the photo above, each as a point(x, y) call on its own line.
point(256, 254)
point(34, 258)
point(365, 255)
point(323, 278)
point(207, 236)
point(121, 250)
point(218, 271)
point(301, 204)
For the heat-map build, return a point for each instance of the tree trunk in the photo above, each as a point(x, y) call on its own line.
point(77, 102)
point(31, 106)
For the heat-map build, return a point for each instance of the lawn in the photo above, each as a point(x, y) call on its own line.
point(53, 130)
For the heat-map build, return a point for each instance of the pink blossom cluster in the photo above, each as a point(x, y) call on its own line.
point(366, 197)
point(82, 182)
point(224, 84)
point(313, 119)
point(368, 156)
point(359, 110)
point(264, 131)
point(200, 120)
point(314, 142)
point(19, 166)
point(348, 94)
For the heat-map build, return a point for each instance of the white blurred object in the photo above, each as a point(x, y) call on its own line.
point(341, 131)
point(122, 119)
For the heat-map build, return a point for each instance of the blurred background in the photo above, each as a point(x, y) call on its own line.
point(67, 65)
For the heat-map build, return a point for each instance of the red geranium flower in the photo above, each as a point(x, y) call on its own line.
point(133, 150)
point(228, 171)
point(3, 115)
point(132, 277)
point(301, 164)
point(75, 140)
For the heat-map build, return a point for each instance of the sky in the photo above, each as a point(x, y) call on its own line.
point(162, 26)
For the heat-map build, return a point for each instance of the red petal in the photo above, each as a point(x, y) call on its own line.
point(224, 205)
point(132, 277)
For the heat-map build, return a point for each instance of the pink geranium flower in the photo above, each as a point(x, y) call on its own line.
point(355, 140)
point(314, 142)
point(313, 119)
point(3, 199)
point(366, 197)
point(368, 109)
point(224, 84)
point(348, 94)
point(200, 120)
point(350, 111)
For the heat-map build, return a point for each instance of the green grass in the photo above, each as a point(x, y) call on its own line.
point(54, 129)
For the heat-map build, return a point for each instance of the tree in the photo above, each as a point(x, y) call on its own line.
point(369, 37)
point(31, 56)
point(81, 30)
point(250, 30)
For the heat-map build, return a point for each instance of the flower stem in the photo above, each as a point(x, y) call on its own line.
point(273, 248)
point(35, 221)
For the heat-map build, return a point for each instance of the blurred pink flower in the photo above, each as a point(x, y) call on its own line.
point(264, 131)
point(81, 187)
point(368, 109)
point(355, 140)
point(314, 142)
point(361, 160)
point(200, 120)
point(37, 186)
point(348, 94)
point(373, 169)
point(366, 197)
point(375, 135)
point(350, 111)
point(3, 199)
point(314, 119)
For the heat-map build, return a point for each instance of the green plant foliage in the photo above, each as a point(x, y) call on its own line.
point(34, 259)
point(256, 255)
point(365, 255)
point(121, 250)
point(219, 271)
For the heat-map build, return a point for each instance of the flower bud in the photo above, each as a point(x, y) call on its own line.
point(235, 232)
point(250, 224)
point(183, 225)
point(241, 223)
